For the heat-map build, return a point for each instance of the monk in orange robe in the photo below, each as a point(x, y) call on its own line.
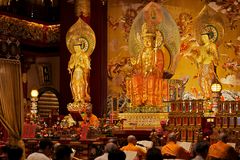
point(132, 141)
point(221, 150)
point(90, 118)
point(173, 150)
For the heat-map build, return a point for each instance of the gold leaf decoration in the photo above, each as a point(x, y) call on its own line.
point(81, 33)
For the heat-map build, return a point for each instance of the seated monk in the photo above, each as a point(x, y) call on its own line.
point(132, 141)
point(173, 150)
point(90, 119)
point(221, 150)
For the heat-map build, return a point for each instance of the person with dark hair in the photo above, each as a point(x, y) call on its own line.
point(13, 152)
point(116, 155)
point(200, 149)
point(63, 152)
point(154, 154)
point(45, 150)
point(222, 150)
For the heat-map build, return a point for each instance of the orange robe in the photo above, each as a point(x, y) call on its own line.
point(92, 120)
point(146, 89)
point(173, 149)
point(132, 147)
point(222, 150)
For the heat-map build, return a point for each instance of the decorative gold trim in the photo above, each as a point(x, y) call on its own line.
point(23, 29)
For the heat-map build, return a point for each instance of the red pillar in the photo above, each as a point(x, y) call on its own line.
point(98, 75)
point(67, 19)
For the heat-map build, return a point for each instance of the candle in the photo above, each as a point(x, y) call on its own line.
point(117, 102)
point(112, 105)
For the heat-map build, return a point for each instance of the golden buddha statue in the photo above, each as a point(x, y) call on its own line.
point(144, 87)
point(79, 67)
point(207, 59)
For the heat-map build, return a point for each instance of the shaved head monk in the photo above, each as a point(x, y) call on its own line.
point(221, 150)
point(173, 150)
point(132, 141)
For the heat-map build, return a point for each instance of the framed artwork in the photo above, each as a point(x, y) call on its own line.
point(198, 120)
point(233, 107)
point(45, 73)
point(220, 107)
point(183, 134)
point(115, 104)
point(192, 121)
point(227, 108)
point(190, 135)
point(219, 121)
point(185, 120)
point(173, 107)
point(238, 106)
point(225, 122)
point(231, 122)
point(179, 121)
point(172, 121)
point(238, 121)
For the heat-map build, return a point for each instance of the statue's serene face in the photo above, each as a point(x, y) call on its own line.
point(148, 41)
point(205, 38)
point(77, 48)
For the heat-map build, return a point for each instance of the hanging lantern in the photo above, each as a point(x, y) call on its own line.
point(216, 86)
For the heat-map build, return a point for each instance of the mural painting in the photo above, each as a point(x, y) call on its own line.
point(206, 24)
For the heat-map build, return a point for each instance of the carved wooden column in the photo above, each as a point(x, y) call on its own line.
point(98, 75)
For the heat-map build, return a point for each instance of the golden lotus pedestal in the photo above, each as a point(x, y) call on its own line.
point(142, 121)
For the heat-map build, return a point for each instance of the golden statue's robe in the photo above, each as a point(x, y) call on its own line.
point(145, 87)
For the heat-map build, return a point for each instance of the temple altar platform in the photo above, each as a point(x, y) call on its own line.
point(142, 121)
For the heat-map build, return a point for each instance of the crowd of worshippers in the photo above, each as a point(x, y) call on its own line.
point(200, 151)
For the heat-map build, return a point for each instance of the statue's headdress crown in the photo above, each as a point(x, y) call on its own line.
point(148, 31)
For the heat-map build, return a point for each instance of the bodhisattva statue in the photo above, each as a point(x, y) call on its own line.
point(207, 59)
point(79, 68)
point(144, 88)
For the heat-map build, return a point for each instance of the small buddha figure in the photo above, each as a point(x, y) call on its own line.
point(79, 67)
point(144, 86)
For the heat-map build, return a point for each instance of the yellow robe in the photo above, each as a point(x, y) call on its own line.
point(92, 120)
point(132, 147)
point(173, 149)
point(222, 150)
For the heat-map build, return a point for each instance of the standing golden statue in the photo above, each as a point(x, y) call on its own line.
point(209, 33)
point(207, 59)
point(79, 67)
point(80, 40)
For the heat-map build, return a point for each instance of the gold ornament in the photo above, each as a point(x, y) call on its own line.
point(81, 34)
point(211, 23)
point(80, 40)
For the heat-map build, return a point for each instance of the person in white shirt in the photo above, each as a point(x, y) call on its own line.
point(45, 150)
point(108, 148)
